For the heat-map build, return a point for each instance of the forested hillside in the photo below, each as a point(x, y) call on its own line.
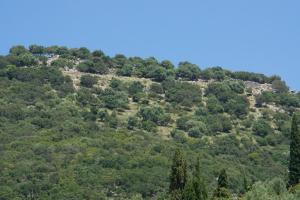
point(76, 124)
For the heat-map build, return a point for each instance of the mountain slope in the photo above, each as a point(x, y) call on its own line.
point(82, 125)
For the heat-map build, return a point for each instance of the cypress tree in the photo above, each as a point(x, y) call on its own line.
point(245, 184)
point(222, 179)
point(178, 177)
point(198, 183)
point(294, 166)
point(222, 189)
point(189, 192)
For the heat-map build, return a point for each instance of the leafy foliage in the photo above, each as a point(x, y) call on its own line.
point(88, 81)
point(182, 93)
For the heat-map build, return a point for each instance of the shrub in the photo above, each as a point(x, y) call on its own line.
point(188, 71)
point(154, 114)
point(274, 189)
point(156, 88)
point(195, 132)
point(62, 62)
point(37, 49)
point(280, 86)
point(238, 106)
point(148, 126)
point(248, 76)
point(218, 123)
point(25, 60)
point(213, 105)
point(114, 99)
point(167, 65)
point(18, 50)
point(85, 97)
point(135, 87)
point(88, 81)
point(262, 128)
point(116, 84)
point(237, 86)
point(201, 111)
point(89, 66)
point(113, 120)
point(185, 94)
point(221, 90)
point(157, 73)
point(126, 70)
point(213, 73)
point(132, 123)
point(82, 53)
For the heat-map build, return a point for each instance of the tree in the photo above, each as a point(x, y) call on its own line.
point(88, 81)
point(98, 67)
point(222, 189)
point(238, 105)
point(126, 70)
point(195, 132)
point(262, 128)
point(221, 90)
point(182, 93)
point(135, 87)
point(273, 189)
point(158, 74)
point(195, 189)
point(26, 59)
point(116, 84)
point(188, 71)
point(198, 184)
point(213, 105)
point(246, 186)
point(114, 99)
point(62, 62)
point(167, 64)
point(18, 50)
point(178, 177)
point(132, 122)
point(113, 120)
point(98, 53)
point(189, 192)
point(154, 114)
point(294, 166)
point(156, 88)
point(36, 49)
point(280, 86)
point(213, 73)
point(82, 53)
point(222, 179)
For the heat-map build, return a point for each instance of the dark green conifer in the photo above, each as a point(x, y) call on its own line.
point(178, 177)
point(245, 184)
point(294, 167)
point(222, 179)
point(222, 189)
point(189, 192)
point(198, 184)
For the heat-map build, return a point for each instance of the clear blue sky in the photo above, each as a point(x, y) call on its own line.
point(253, 35)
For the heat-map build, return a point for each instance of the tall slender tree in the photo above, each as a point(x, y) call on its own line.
point(189, 191)
point(178, 177)
point(294, 166)
point(222, 189)
point(222, 179)
point(198, 183)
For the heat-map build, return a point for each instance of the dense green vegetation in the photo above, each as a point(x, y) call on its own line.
point(76, 124)
point(294, 167)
